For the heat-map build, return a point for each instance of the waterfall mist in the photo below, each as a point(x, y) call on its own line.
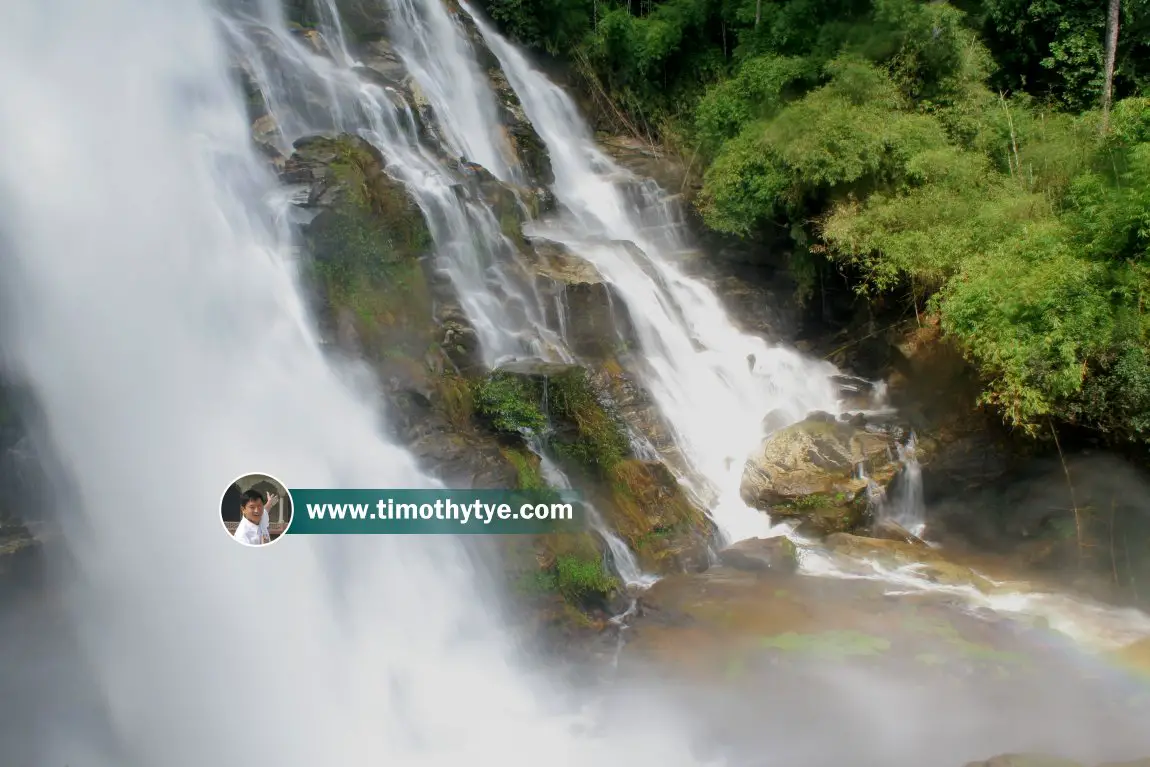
point(151, 301)
point(153, 309)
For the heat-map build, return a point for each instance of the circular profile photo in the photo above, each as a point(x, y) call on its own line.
point(256, 510)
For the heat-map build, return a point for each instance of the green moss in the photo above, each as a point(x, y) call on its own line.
point(815, 501)
point(368, 245)
point(456, 399)
point(828, 644)
point(601, 441)
point(511, 224)
point(579, 578)
point(582, 580)
point(527, 469)
point(510, 403)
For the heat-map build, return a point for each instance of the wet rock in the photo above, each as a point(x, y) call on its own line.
point(640, 500)
point(379, 58)
point(761, 554)
point(706, 623)
point(369, 242)
point(267, 137)
point(519, 134)
point(364, 20)
point(856, 393)
point(313, 40)
point(645, 160)
point(649, 510)
point(886, 529)
point(755, 306)
point(930, 564)
point(636, 407)
point(811, 471)
point(458, 338)
point(594, 317)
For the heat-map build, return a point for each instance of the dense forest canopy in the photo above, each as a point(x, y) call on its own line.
point(965, 156)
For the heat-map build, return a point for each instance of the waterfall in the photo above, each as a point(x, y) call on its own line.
point(696, 360)
point(308, 93)
point(623, 559)
point(906, 507)
point(152, 305)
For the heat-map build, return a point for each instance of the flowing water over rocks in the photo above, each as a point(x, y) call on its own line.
point(520, 307)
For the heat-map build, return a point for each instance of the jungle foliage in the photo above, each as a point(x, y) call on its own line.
point(958, 155)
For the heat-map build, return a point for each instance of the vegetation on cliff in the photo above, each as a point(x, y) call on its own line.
point(985, 160)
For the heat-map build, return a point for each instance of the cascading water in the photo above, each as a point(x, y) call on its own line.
point(696, 360)
point(906, 507)
point(438, 56)
point(626, 566)
point(152, 307)
point(308, 93)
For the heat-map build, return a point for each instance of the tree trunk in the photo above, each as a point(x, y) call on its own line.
point(1111, 54)
point(759, 11)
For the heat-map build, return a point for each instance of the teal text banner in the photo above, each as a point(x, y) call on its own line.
point(435, 512)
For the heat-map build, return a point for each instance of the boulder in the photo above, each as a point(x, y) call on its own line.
point(761, 554)
point(811, 471)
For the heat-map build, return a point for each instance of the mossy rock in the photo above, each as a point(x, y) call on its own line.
point(777, 555)
point(648, 509)
point(532, 395)
point(511, 402)
point(565, 566)
point(810, 470)
point(368, 241)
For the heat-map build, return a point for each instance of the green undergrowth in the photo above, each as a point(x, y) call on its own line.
point(600, 441)
point(917, 153)
point(510, 402)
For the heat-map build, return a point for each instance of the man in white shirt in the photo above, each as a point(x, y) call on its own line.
point(251, 531)
point(267, 515)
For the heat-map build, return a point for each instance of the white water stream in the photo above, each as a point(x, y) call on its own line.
point(309, 93)
point(622, 558)
point(696, 359)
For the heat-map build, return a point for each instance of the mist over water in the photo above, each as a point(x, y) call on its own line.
point(157, 317)
point(150, 299)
